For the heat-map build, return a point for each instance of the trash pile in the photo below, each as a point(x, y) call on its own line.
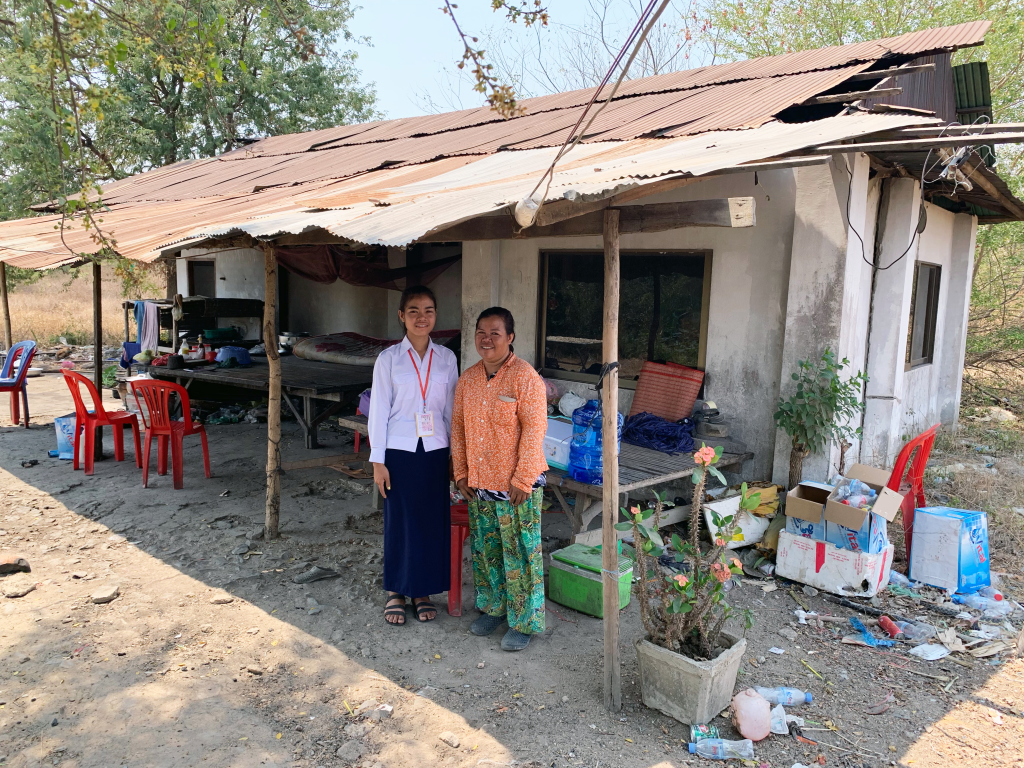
point(233, 414)
point(757, 713)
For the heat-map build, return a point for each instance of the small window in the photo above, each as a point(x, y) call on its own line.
point(924, 311)
point(202, 279)
point(662, 311)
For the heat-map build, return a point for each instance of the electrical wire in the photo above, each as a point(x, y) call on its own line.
point(646, 21)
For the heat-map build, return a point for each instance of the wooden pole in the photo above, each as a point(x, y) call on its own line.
point(274, 396)
point(97, 346)
point(610, 459)
point(5, 306)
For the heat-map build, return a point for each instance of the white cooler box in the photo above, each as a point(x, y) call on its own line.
point(825, 566)
point(556, 443)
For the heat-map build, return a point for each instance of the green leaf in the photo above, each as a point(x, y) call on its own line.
point(172, 24)
point(623, 526)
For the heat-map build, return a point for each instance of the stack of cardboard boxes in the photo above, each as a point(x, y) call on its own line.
point(836, 547)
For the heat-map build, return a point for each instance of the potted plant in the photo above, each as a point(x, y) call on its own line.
point(688, 663)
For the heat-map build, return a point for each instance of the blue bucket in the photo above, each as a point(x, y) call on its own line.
point(65, 426)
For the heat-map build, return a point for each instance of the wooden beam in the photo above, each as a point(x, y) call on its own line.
point(979, 178)
point(610, 465)
point(846, 98)
point(560, 210)
point(5, 307)
point(893, 72)
point(653, 217)
point(97, 345)
point(273, 510)
point(923, 145)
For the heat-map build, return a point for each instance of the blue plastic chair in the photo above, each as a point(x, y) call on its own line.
point(14, 384)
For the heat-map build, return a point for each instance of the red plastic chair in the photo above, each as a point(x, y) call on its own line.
point(157, 418)
point(915, 453)
point(460, 532)
point(15, 383)
point(89, 421)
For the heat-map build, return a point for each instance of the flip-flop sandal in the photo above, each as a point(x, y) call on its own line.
point(315, 574)
point(424, 606)
point(395, 610)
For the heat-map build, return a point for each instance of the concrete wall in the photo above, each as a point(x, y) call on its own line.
point(750, 272)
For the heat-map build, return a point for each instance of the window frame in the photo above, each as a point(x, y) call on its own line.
point(931, 316)
point(192, 277)
point(542, 319)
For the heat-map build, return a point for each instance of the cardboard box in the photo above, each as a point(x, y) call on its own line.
point(805, 509)
point(886, 505)
point(872, 537)
point(556, 443)
point(825, 566)
point(950, 549)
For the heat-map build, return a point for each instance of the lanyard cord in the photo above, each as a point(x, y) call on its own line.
point(423, 387)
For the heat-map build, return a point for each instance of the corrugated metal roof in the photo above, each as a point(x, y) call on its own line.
point(439, 169)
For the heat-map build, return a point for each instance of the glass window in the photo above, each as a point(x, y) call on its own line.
point(924, 311)
point(662, 312)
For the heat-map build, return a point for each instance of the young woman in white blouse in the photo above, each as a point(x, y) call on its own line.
point(409, 425)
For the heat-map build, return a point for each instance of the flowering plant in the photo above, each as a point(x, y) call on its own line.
point(685, 611)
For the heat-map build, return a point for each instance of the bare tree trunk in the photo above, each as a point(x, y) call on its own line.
point(274, 397)
point(5, 307)
point(97, 349)
point(796, 466)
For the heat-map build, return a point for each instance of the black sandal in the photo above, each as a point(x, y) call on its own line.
point(424, 606)
point(394, 610)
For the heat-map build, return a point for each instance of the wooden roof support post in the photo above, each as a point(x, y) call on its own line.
point(274, 396)
point(97, 345)
point(4, 306)
point(610, 462)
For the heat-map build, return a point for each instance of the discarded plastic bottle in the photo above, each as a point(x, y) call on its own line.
point(980, 603)
point(895, 577)
point(787, 697)
point(723, 749)
point(991, 593)
point(916, 630)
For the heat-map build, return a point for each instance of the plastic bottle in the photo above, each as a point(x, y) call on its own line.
point(723, 749)
point(787, 697)
point(895, 577)
point(991, 593)
point(978, 602)
point(585, 459)
point(751, 714)
point(916, 630)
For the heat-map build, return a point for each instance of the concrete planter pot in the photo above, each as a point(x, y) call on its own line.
point(690, 691)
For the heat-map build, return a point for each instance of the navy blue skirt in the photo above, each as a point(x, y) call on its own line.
point(417, 523)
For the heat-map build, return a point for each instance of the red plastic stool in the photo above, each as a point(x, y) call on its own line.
point(460, 532)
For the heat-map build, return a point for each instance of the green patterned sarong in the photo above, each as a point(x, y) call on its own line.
point(508, 565)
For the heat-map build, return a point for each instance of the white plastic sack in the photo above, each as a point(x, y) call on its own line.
point(930, 652)
point(569, 403)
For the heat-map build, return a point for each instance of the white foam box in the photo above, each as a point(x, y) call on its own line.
point(556, 443)
point(825, 566)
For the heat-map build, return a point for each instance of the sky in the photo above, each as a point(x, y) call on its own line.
point(414, 49)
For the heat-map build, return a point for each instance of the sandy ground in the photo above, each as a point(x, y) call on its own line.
point(211, 656)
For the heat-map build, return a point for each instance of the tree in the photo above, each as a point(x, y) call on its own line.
point(93, 92)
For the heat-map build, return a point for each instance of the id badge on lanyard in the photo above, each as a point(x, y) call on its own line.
point(425, 418)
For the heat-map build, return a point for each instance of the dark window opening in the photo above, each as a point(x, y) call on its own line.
point(202, 279)
point(662, 310)
point(924, 312)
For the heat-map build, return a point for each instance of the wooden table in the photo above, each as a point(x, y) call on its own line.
point(305, 379)
point(638, 468)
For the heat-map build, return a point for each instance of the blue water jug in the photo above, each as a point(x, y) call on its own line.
point(585, 460)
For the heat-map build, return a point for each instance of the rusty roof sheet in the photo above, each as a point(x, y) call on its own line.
point(286, 182)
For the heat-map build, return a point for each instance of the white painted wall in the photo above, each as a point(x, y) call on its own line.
point(750, 269)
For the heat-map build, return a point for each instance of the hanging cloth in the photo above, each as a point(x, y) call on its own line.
point(327, 263)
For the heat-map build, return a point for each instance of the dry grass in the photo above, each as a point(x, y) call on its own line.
point(57, 305)
point(998, 493)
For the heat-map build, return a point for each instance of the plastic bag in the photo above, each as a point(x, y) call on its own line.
point(930, 652)
point(569, 403)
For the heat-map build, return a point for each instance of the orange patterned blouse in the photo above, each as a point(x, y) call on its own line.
point(498, 427)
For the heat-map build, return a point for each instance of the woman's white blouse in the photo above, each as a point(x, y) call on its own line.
point(396, 398)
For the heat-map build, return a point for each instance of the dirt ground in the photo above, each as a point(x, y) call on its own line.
point(211, 656)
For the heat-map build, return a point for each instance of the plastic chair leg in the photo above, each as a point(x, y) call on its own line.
point(138, 447)
point(15, 410)
point(24, 397)
point(161, 454)
point(177, 461)
point(206, 453)
point(118, 430)
point(459, 535)
point(90, 447)
point(78, 431)
point(145, 458)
